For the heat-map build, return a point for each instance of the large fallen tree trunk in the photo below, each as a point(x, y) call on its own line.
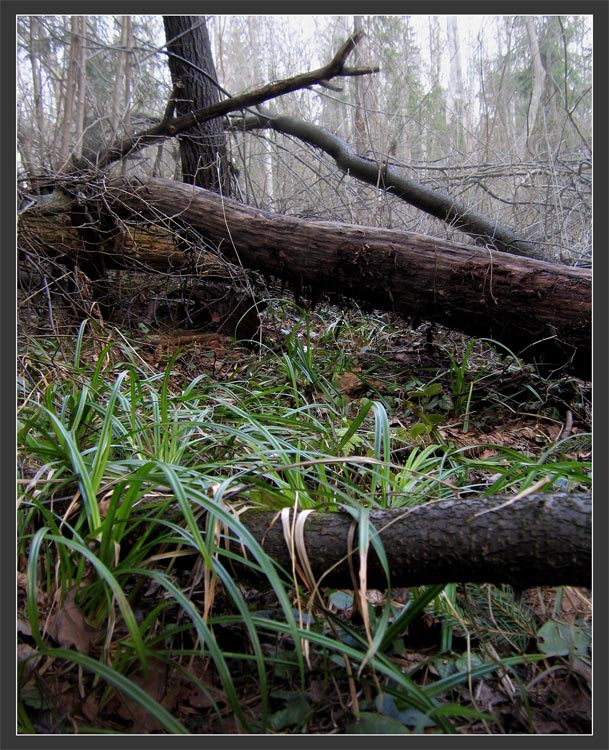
point(535, 308)
point(538, 540)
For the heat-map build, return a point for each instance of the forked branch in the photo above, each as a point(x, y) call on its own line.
point(170, 127)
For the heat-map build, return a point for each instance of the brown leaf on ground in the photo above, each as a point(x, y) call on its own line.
point(349, 384)
point(156, 683)
point(29, 657)
point(69, 627)
point(41, 598)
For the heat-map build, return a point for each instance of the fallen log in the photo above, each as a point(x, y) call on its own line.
point(539, 310)
point(538, 540)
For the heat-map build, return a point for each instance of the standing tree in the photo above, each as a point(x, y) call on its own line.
point(203, 147)
point(74, 97)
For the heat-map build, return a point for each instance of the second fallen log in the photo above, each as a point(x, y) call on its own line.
point(544, 539)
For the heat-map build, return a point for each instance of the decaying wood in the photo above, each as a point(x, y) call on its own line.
point(538, 309)
point(538, 540)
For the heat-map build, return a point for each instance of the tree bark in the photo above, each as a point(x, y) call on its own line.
point(203, 147)
point(75, 94)
point(539, 310)
point(539, 77)
point(539, 540)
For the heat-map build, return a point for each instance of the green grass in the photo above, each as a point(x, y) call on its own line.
point(132, 481)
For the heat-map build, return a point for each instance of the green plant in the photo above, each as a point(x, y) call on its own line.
point(129, 475)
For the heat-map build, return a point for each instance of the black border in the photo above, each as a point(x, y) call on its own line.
point(9, 9)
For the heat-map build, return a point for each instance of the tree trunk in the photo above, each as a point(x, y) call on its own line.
point(74, 102)
point(35, 51)
point(539, 310)
point(539, 77)
point(455, 120)
point(539, 540)
point(122, 79)
point(535, 308)
point(364, 209)
point(203, 147)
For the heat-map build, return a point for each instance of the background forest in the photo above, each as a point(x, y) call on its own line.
point(168, 464)
point(496, 110)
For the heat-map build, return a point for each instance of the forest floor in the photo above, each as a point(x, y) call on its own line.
point(439, 388)
point(560, 702)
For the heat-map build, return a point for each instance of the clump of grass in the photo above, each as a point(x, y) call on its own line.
point(129, 475)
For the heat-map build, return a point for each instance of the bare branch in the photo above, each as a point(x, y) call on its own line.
point(434, 202)
point(170, 128)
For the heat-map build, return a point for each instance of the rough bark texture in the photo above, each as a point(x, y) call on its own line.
point(538, 309)
point(539, 540)
point(203, 147)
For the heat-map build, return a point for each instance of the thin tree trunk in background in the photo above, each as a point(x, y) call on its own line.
point(539, 77)
point(69, 95)
point(504, 116)
point(364, 213)
point(435, 58)
point(121, 90)
point(359, 125)
point(81, 95)
point(570, 107)
point(128, 78)
point(121, 112)
point(202, 147)
point(269, 183)
point(35, 54)
point(454, 105)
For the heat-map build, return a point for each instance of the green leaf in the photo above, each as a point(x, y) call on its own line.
point(410, 717)
point(294, 714)
point(419, 429)
point(341, 599)
point(429, 390)
point(434, 419)
point(561, 639)
point(371, 723)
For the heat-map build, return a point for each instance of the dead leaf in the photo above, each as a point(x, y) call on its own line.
point(349, 384)
point(154, 682)
point(90, 707)
point(197, 698)
point(69, 627)
point(23, 626)
point(30, 656)
point(41, 598)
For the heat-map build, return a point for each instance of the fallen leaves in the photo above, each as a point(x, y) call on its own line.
point(68, 626)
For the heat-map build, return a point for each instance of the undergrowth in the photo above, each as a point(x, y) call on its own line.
point(133, 476)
